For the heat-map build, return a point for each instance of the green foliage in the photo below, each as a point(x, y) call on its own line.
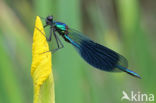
point(121, 25)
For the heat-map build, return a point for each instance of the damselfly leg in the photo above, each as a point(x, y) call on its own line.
point(58, 41)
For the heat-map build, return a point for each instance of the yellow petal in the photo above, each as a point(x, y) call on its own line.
point(41, 68)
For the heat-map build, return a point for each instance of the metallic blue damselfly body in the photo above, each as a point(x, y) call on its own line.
point(93, 53)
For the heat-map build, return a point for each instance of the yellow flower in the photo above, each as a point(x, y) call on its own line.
point(41, 68)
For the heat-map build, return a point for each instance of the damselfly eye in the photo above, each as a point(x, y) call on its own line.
point(50, 18)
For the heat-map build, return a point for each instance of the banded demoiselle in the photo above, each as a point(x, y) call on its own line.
point(93, 53)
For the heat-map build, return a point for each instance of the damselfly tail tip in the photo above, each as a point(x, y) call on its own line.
point(129, 72)
point(135, 74)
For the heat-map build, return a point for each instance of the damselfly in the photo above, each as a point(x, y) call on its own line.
point(93, 53)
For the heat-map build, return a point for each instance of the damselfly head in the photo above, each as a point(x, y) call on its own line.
point(49, 20)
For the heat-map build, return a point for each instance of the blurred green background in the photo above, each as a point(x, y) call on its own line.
point(126, 26)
